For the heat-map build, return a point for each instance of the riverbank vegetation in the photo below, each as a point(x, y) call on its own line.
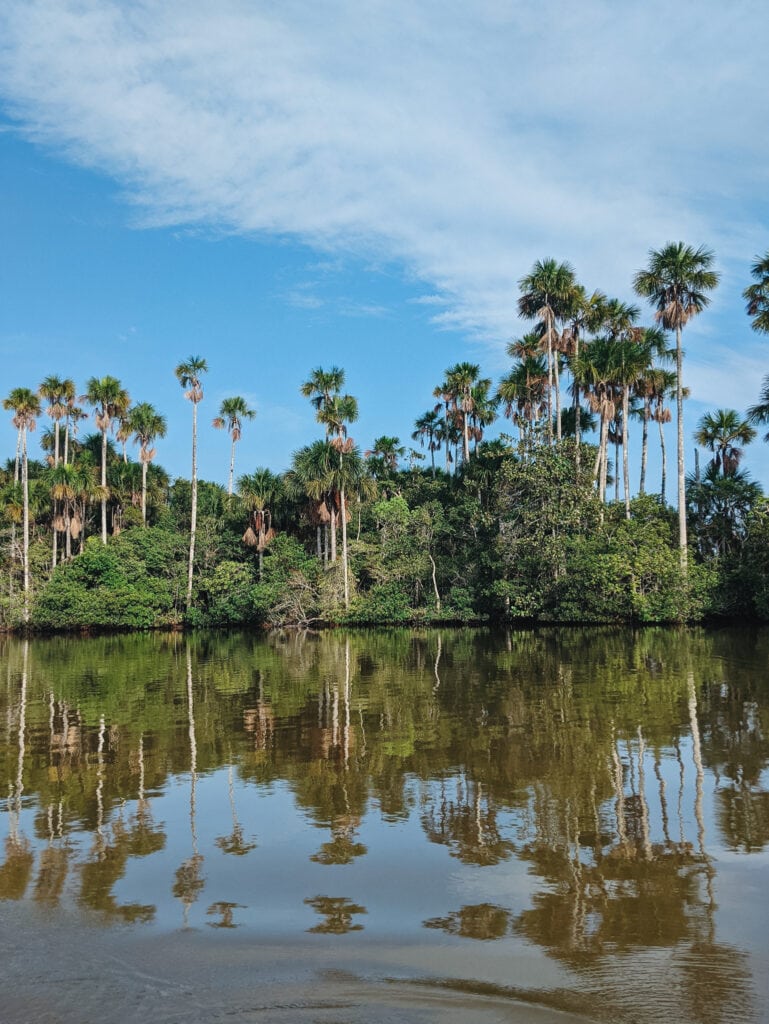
point(540, 523)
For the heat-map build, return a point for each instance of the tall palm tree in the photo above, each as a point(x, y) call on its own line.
point(232, 412)
point(676, 282)
point(596, 370)
point(584, 314)
point(258, 492)
point(25, 405)
point(337, 413)
point(146, 424)
point(109, 400)
point(60, 395)
point(386, 451)
point(189, 374)
point(546, 293)
point(757, 295)
point(426, 427)
point(724, 433)
point(461, 378)
point(74, 415)
point(522, 393)
point(322, 385)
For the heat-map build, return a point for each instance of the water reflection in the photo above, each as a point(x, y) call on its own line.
point(572, 791)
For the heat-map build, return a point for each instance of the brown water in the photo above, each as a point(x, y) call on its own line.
point(386, 827)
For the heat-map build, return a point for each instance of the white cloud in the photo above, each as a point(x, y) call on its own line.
point(464, 141)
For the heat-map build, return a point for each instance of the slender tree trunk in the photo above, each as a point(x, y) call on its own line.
point(344, 552)
point(55, 545)
point(465, 437)
point(144, 487)
point(333, 532)
point(549, 386)
point(232, 467)
point(432, 457)
point(664, 461)
point(577, 410)
point(681, 466)
point(616, 465)
point(55, 443)
point(557, 381)
point(25, 492)
point(68, 536)
point(104, 486)
point(625, 464)
point(599, 453)
point(604, 458)
point(644, 446)
point(194, 503)
point(319, 543)
point(435, 589)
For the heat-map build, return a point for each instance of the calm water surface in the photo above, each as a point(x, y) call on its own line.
point(386, 827)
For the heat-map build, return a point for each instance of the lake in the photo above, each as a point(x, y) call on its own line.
point(390, 826)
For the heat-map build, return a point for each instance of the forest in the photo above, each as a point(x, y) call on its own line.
point(539, 523)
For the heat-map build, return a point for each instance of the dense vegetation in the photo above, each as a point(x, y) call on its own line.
point(517, 528)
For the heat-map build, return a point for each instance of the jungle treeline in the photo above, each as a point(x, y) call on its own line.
point(540, 524)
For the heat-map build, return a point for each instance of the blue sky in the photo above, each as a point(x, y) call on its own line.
point(282, 186)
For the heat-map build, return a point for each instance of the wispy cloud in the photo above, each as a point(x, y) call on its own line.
point(462, 140)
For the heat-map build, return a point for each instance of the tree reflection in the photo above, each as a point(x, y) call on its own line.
point(338, 912)
point(475, 921)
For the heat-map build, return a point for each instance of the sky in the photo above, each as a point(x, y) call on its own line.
point(281, 186)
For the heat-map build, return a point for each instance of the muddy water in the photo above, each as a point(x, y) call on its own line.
point(386, 827)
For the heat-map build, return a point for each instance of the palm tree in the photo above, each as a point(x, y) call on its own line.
point(723, 433)
point(309, 475)
point(189, 375)
point(73, 416)
point(546, 293)
point(759, 413)
point(25, 405)
point(232, 412)
point(145, 423)
point(522, 393)
point(384, 455)
point(584, 314)
point(109, 400)
point(258, 491)
point(426, 427)
point(676, 282)
point(336, 414)
point(321, 386)
point(757, 295)
point(459, 383)
point(60, 395)
point(596, 371)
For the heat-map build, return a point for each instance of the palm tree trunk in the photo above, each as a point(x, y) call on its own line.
point(664, 462)
point(644, 446)
point(55, 546)
point(232, 467)
point(557, 378)
point(194, 503)
point(55, 443)
point(604, 450)
point(577, 409)
point(333, 531)
point(144, 488)
point(68, 537)
point(318, 541)
point(549, 386)
point(104, 486)
point(625, 465)
point(432, 456)
point(344, 552)
point(25, 492)
point(682, 540)
point(465, 438)
point(66, 440)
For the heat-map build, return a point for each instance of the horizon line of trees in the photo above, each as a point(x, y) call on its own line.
point(617, 371)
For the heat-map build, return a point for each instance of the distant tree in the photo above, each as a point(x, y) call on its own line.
point(189, 374)
point(109, 400)
point(757, 295)
point(146, 424)
point(676, 282)
point(232, 413)
point(724, 433)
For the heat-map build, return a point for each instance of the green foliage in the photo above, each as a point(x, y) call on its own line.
point(132, 583)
